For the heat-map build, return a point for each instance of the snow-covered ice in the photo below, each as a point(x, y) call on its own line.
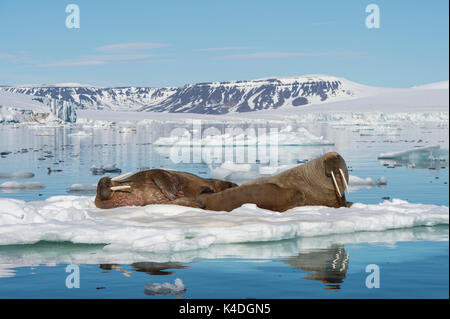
point(171, 228)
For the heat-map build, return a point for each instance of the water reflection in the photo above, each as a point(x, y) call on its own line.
point(151, 268)
point(326, 265)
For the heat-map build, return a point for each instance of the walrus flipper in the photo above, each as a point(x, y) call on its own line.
point(187, 201)
point(166, 184)
point(267, 196)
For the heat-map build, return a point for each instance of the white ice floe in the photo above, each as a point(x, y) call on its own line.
point(165, 288)
point(232, 171)
point(21, 185)
point(419, 157)
point(17, 175)
point(170, 228)
point(356, 182)
point(82, 189)
point(81, 134)
point(417, 151)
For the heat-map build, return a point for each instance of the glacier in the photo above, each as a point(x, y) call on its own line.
point(17, 108)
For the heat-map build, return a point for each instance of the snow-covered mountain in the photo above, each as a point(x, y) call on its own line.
point(207, 98)
point(97, 98)
point(15, 107)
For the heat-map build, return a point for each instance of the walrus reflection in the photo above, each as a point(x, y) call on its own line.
point(156, 186)
point(320, 182)
point(326, 265)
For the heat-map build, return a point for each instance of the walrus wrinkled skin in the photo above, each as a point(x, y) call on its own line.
point(307, 184)
point(157, 186)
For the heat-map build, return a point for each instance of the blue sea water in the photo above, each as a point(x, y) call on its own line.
point(412, 263)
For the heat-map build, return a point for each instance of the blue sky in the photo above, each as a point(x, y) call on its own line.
point(171, 43)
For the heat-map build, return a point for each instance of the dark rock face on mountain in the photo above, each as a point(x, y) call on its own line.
point(204, 98)
point(119, 98)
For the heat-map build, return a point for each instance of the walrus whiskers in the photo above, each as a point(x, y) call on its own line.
point(335, 184)
point(118, 188)
point(114, 179)
point(345, 182)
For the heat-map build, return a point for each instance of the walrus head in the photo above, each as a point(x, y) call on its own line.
point(104, 191)
point(335, 166)
point(105, 187)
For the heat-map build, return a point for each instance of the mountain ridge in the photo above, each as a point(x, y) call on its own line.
point(207, 97)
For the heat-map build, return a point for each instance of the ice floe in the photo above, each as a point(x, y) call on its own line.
point(170, 228)
point(419, 157)
point(12, 185)
point(356, 182)
point(82, 189)
point(17, 175)
point(166, 288)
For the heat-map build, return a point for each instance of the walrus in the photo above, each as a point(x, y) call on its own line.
point(156, 186)
point(320, 182)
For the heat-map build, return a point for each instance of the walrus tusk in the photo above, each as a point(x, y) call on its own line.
point(335, 184)
point(345, 182)
point(118, 188)
point(120, 176)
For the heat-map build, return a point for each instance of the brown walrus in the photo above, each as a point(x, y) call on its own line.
point(320, 182)
point(156, 186)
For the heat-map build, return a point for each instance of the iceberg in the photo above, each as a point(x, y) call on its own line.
point(419, 157)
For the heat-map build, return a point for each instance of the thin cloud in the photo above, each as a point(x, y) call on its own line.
point(231, 48)
point(135, 46)
point(100, 60)
point(21, 56)
point(285, 55)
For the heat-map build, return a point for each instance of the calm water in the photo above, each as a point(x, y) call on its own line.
point(413, 262)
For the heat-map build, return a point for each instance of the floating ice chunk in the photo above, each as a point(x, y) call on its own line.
point(225, 170)
point(425, 151)
point(17, 175)
point(419, 157)
point(107, 168)
point(165, 288)
point(21, 185)
point(356, 182)
point(82, 189)
point(81, 134)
